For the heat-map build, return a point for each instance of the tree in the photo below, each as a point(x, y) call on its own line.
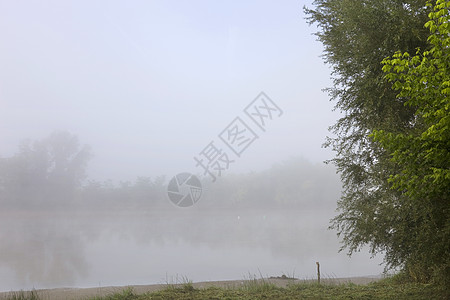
point(44, 172)
point(357, 36)
point(421, 154)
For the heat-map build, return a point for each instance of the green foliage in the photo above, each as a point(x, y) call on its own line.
point(424, 82)
point(395, 187)
point(421, 155)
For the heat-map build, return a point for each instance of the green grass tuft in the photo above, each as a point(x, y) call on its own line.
point(126, 294)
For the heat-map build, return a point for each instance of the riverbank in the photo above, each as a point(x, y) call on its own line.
point(99, 292)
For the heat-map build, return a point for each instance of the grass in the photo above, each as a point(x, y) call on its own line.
point(252, 288)
point(389, 288)
point(23, 295)
point(175, 283)
point(254, 285)
point(298, 291)
point(126, 294)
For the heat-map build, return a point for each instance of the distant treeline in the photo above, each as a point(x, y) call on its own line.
point(50, 174)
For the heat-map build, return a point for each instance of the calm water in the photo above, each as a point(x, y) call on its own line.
point(43, 250)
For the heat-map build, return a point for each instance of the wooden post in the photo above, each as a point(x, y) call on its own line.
point(318, 272)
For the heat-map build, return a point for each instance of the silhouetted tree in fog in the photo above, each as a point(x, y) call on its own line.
point(43, 172)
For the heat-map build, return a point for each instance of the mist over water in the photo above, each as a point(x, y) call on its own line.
point(241, 226)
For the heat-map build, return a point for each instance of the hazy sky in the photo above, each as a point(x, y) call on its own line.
point(148, 84)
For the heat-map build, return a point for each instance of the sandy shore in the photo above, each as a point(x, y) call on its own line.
point(85, 293)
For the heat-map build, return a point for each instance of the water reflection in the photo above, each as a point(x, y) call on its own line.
point(42, 249)
point(88, 249)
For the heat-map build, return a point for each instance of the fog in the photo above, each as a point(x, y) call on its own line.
point(145, 140)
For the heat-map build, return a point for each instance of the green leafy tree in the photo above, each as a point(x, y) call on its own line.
point(357, 36)
point(421, 154)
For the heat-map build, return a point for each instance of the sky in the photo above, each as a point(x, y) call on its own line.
point(149, 84)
